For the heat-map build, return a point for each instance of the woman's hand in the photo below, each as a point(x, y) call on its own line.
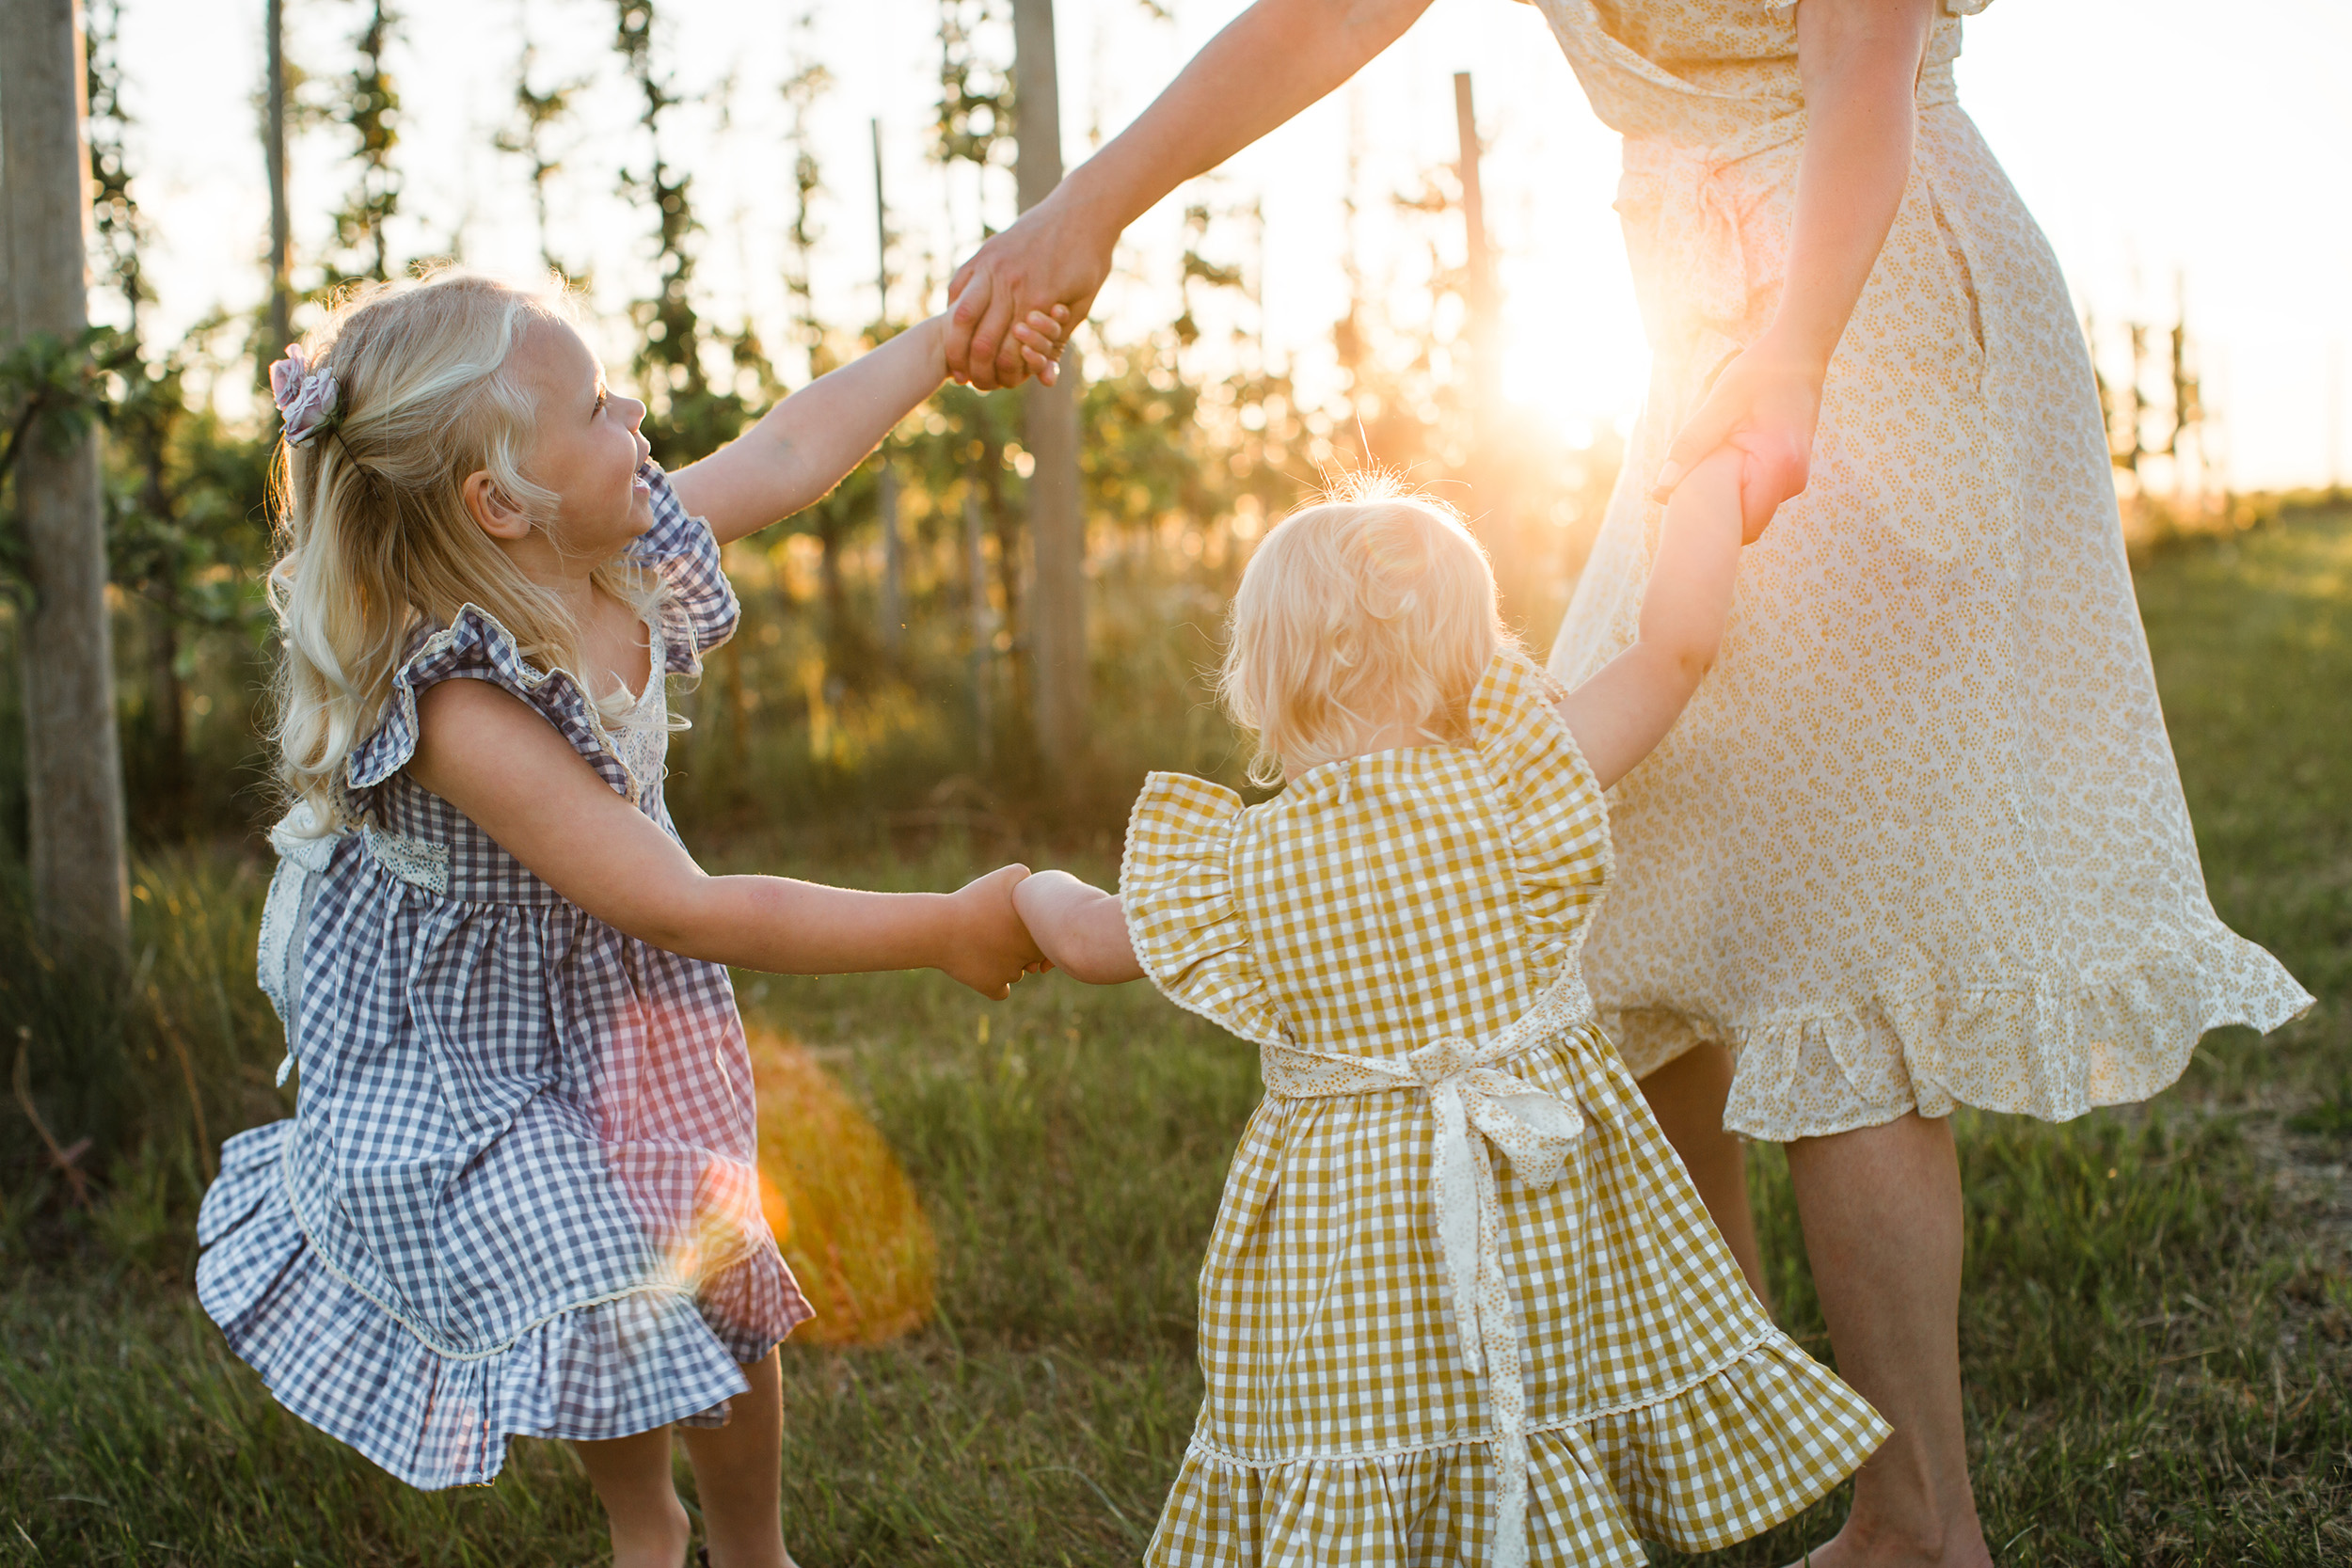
point(1764, 404)
point(1270, 62)
point(1859, 60)
point(1054, 256)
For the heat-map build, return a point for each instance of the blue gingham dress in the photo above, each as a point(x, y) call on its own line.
point(517, 1195)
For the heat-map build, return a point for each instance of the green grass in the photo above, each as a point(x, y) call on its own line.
point(2157, 1324)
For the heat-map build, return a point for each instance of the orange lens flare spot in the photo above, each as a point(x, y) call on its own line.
point(839, 1204)
point(775, 1208)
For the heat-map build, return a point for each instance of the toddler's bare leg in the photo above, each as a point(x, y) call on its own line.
point(1687, 1097)
point(631, 1476)
point(738, 1474)
point(1881, 1207)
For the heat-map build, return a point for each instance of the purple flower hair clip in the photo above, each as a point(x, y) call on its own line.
point(305, 395)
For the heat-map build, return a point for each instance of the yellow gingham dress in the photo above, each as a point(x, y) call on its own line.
point(1418, 1351)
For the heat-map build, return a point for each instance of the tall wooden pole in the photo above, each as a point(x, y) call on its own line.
point(1058, 636)
point(1490, 496)
point(886, 484)
point(274, 154)
point(72, 764)
point(1473, 209)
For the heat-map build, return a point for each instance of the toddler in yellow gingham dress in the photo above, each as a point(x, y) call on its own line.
point(1461, 1304)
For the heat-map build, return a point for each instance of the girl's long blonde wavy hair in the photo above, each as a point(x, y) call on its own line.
point(376, 540)
point(1373, 605)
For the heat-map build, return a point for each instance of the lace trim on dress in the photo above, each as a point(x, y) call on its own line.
point(418, 862)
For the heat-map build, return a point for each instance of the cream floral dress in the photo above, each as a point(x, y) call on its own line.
point(1920, 839)
point(1461, 1304)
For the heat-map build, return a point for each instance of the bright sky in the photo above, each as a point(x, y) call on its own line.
point(2161, 138)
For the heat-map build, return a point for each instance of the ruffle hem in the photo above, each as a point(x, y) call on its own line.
point(1697, 1470)
point(346, 1365)
point(1920, 1043)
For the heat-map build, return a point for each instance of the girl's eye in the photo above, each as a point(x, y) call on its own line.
point(601, 395)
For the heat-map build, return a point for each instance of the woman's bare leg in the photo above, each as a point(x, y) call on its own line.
point(631, 1476)
point(1881, 1208)
point(738, 1475)
point(1687, 1097)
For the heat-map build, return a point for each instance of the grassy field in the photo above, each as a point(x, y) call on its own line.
point(2157, 1325)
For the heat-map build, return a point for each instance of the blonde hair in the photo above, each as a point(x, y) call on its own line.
point(377, 539)
point(1372, 606)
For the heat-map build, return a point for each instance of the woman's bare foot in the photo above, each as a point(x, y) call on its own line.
point(1853, 1547)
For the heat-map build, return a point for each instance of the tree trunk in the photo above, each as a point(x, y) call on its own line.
point(74, 764)
point(1056, 521)
point(1490, 509)
point(274, 156)
point(887, 487)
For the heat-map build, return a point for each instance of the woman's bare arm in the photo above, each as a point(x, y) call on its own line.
point(1081, 929)
point(489, 755)
point(1860, 64)
point(1271, 61)
point(1620, 715)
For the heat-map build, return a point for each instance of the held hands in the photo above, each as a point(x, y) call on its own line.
point(1082, 930)
point(1047, 264)
point(984, 944)
point(1764, 406)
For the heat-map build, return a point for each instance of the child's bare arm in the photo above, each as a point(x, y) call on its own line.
point(808, 443)
point(1082, 930)
point(486, 754)
point(1620, 715)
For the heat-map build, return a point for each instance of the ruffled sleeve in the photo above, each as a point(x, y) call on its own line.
point(1552, 807)
point(475, 646)
point(1177, 885)
point(698, 607)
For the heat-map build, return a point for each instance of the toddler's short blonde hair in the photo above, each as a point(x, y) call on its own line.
point(1373, 606)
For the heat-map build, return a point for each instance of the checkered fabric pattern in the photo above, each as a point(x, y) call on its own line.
point(1375, 905)
point(517, 1195)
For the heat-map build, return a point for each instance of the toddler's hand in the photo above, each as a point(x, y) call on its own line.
point(988, 946)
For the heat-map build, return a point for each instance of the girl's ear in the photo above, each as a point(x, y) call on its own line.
point(499, 516)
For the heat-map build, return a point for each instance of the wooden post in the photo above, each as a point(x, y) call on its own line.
point(983, 632)
point(886, 484)
point(1058, 638)
point(72, 764)
point(1473, 208)
point(274, 155)
point(1489, 506)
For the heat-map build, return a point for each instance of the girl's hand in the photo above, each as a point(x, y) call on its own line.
point(1081, 928)
point(1764, 404)
point(1039, 338)
point(985, 944)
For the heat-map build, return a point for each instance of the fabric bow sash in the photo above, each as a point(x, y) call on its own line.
point(1475, 1104)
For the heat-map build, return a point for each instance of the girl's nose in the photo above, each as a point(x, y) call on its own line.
point(634, 412)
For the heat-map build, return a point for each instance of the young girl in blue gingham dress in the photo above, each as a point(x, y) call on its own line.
point(517, 1194)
